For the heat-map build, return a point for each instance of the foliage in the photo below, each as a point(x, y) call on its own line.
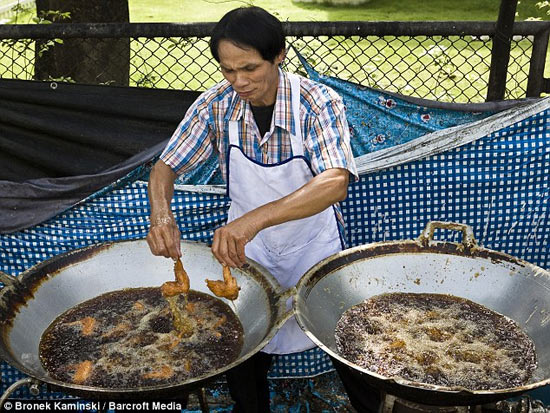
point(536, 11)
point(50, 16)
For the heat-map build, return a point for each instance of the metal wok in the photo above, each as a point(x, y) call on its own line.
point(33, 300)
point(498, 281)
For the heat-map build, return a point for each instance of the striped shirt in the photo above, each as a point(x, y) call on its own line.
point(205, 128)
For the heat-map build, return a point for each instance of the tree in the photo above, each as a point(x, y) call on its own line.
point(83, 60)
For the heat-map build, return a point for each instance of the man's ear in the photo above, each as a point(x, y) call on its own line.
point(280, 57)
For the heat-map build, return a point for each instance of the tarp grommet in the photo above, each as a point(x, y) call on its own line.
point(53, 85)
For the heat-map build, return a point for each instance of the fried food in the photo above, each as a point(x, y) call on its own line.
point(180, 286)
point(165, 372)
point(172, 288)
point(227, 288)
point(82, 372)
point(87, 325)
point(446, 341)
point(118, 330)
point(141, 342)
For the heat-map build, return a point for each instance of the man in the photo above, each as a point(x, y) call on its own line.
point(284, 152)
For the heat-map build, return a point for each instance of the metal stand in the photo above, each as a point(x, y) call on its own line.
point(34, 389)
point(201, 394)
point(393, 404)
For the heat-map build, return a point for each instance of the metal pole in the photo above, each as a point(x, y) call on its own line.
point(500, 54)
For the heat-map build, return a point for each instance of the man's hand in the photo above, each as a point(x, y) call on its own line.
point(164, 236)
point(229, 240)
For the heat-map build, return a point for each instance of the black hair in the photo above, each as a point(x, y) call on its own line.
point(250, 27)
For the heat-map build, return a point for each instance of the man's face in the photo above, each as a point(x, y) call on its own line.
point(252, 77)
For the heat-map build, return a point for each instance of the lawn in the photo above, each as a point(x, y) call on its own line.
point(375, 10)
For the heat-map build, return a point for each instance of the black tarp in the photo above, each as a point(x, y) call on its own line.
point(61, 142)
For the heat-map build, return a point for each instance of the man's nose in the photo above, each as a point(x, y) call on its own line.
point(240, 80)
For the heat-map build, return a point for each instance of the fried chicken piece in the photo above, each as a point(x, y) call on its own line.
point(165, 372)
point(87, 325)
point(227, 288)
point(180, 286)
point(117, 331)
point(82, 372)
point(190, 307)
point(172, 288)
point(175, 342)
point(181, 274)
point(219, 323)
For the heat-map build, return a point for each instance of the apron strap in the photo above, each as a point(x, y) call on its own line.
point(234, 132)
point(296, 138)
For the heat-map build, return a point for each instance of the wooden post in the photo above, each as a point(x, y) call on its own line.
point(500, 54)
point(536, 82)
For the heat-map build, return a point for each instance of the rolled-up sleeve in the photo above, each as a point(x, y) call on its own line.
point(191, 142)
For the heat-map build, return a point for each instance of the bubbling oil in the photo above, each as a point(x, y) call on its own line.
point(436, 339)
point(133, 342)
point(182, 323)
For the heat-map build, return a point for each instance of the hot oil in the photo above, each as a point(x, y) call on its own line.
point(134, 344)
point(182, 323)
point(436, 339)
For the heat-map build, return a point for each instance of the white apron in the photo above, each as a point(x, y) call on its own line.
point(287, 250)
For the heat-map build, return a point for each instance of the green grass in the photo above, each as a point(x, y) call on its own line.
point(375, 10)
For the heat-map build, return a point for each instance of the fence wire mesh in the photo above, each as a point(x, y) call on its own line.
point(444, 68)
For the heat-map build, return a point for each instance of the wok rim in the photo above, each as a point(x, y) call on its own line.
point(31, 279)
point(311, 278)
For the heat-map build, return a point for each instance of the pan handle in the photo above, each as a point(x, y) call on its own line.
point(291, 292)
point(468, 239)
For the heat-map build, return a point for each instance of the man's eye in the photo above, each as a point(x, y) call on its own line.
point(227, 70)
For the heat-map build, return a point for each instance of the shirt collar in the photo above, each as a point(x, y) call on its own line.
point(283, 105)
point(282, 109)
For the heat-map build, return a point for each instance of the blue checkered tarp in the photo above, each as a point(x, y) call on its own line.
point(497, 183)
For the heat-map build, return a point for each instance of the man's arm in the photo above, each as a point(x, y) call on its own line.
point(318, 194)
point(164, 236)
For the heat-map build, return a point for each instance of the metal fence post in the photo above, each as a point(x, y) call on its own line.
point(500, 54)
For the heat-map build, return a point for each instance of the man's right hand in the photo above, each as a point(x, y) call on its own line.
point(164, 236)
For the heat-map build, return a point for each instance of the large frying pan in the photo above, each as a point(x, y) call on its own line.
point(502, 283)
point(34, 299)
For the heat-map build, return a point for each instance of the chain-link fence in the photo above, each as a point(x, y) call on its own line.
point(442, 61)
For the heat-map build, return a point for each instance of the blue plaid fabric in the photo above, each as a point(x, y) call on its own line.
point(498, 184)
